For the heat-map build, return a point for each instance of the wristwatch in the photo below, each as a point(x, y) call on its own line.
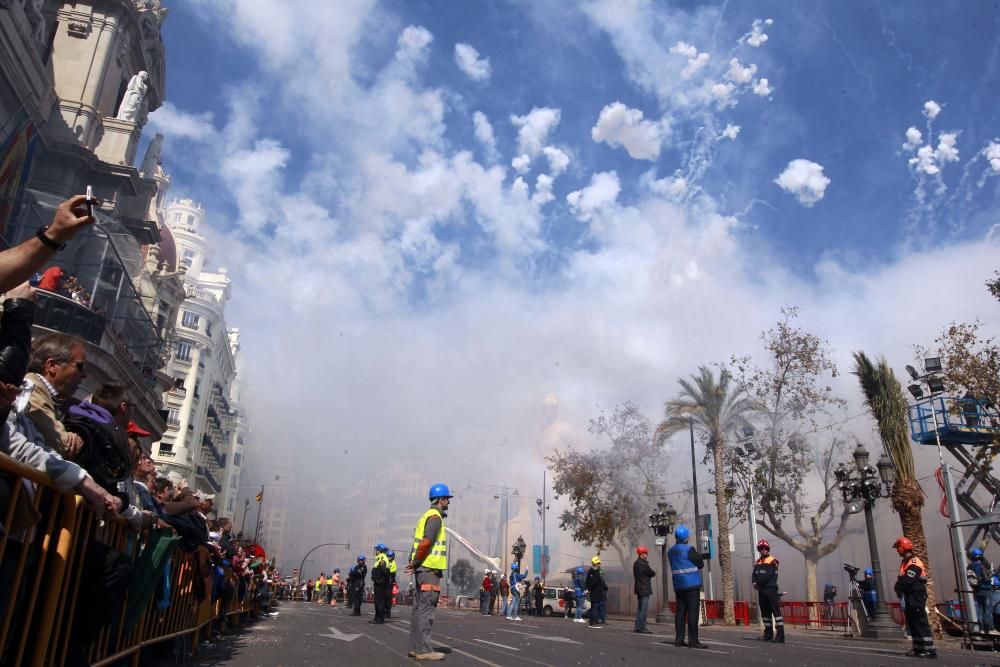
point(48, 242)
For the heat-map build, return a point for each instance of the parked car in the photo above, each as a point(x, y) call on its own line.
point(555, 603)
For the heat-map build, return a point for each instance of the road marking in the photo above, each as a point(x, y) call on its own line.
point(342, 636)
point(564, 640)
point(867, 653)
point(700, 650)
point(476, 658)
point(509, 648)
point(739, 646)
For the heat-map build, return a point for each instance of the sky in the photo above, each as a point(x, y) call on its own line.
point(459, 230)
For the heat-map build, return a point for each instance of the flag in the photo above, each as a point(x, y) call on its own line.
point(16, 151)
point(260, 496)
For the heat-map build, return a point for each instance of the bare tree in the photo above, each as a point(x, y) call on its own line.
point(610, 490)
point(793, 481)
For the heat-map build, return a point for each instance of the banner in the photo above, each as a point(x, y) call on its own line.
point(16, 151)
point(536, 560)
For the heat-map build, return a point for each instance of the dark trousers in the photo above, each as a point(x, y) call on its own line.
point(493, 601)
point(359, 596)
point(379, 595)
point(388, 600)
point(598, 612)
point(770, 605)
point(915, 612)
point(688, 606)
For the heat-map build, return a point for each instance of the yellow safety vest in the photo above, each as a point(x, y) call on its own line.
point(381, 558)
point(437, 559)
point(392, 567)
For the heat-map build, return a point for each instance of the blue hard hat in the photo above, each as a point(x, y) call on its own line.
point(336, 570)
point(391, 553)
point(580, 570)
point(515, 566)
point(870, 572)
point(361, 557)
point(380, 547)
point(976, 553)
point(439, 491)
point(681, 532)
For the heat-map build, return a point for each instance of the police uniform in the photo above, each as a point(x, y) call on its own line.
point(380, 584)
point(912, 585)
point(765, 580)
point(357, 586)
point(392, 582)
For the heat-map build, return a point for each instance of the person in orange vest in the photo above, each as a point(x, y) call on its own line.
point(912, 586)
point(765, 581)
point(334, 585)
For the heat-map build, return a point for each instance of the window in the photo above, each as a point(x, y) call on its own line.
point(183, 350)
point(166, 447)
point(173, 417)
point(190, 320)
point(188, 257)
point(177, 218)
point(190, 221)
point(197, 386)
point(208, 328)
point(237, 458)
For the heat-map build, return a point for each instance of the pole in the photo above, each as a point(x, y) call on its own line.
point(957, 540)
point(663, 616)
point(246, 510)
point(544, 563)
point(256, 533)
point(697, 515)
point(881, 615)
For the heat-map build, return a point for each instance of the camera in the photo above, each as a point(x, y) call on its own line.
point(851, 570)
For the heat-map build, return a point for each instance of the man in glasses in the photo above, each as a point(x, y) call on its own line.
point(56, 368)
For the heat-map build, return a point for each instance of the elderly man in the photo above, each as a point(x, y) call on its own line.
point(56, 368)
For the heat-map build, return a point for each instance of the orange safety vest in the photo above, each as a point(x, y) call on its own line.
point(911, 561)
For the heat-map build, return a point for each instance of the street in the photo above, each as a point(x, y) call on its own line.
point(307, 634)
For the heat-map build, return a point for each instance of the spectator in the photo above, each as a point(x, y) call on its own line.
point(484, 594)
point(494, 591)
point(539, 593)
point(56, 369)
point(598, 590)
point(52, 279)
point(643, 574)
point(580, 593)
point(504, 594)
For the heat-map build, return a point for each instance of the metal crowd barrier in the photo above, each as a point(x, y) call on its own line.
point(42, 567)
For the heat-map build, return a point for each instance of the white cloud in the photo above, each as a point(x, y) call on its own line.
point(913, 138)
point(762, 88)
point(739, 74)
point(521, 163)
point(543, 190)
point(722, 93)
point(558, 160)
point(534, 128)
point(484, 132)
point(601, 192)
point(756, 37)
point(929, 160)
point(696, 61)
point(672, 187)
point(731, 131)
point(177, 124)
point(805, 180)
point(468, 60)
point(931, 109)
point(946, 150)
point(413, 42)
point(619, 125)
point(992, 153)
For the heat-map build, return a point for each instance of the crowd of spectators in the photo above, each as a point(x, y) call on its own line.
point(54, 279)
point(94, 447)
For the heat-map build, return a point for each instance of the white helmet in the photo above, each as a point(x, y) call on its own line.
point(487, 570)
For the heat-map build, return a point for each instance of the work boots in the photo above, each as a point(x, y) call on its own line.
point(779, 638)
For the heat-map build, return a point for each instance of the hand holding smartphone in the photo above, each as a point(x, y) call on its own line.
point(90, 201)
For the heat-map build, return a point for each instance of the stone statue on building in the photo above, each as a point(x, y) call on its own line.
point(135, 95)
point(151, 162)
point(33, 12)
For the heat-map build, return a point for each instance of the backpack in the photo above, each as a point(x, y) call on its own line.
point(104, 453)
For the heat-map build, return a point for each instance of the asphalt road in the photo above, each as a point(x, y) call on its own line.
point(307, 634)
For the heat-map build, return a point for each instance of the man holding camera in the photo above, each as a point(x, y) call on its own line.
point(980, 576)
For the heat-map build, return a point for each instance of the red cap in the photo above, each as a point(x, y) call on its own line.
point(135, 429)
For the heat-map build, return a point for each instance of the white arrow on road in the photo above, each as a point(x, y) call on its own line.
point(548, 638)
point(337, 634)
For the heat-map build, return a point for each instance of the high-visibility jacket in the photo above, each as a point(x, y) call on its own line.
point(912, 576)
point(684, 571)
point(381, 558)
point(765, 572)
point(437, 559)
point(392, 566)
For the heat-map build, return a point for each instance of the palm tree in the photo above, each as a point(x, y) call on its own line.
point(716, 410)
point(884, 397)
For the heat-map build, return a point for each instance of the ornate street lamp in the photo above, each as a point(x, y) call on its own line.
point(662, 521)
point(860, 491)
point(517, 551)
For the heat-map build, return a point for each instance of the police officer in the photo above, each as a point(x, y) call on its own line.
point(428, 560)
point(685, 569)
point(912, 586)
point(391, 555)
point(356, 584)
point(380, 582)
point(765, 581)
point(980, 576)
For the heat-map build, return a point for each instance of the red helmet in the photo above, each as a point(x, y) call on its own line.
point(641, 550)
point(763, 544)
point(903, 545)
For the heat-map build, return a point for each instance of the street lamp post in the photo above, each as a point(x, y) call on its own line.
point(517, 551)
point(865, 487)
point(662, 522)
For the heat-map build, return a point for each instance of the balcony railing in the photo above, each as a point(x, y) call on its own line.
point(207, 474)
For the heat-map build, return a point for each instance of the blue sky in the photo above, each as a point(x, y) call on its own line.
point(335, 148)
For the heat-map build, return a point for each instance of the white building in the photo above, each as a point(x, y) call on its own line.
point(206, 424)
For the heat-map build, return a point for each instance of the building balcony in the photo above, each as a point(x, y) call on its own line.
point(206, 474)
point(208, 444)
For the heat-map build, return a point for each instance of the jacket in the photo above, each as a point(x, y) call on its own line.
point(643, 575)
point(42, 410)
point(14, 442)
point(980, 574)
point(596, 585)
point(765, 573)
point(580, 585)
point(685, 566)
point(912, 577)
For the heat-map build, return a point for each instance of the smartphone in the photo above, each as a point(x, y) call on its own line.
point(90, 201)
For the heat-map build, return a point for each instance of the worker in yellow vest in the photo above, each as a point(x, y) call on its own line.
point(320, 585)
point(380, 582)
point(428, 561)
point(391, 555)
